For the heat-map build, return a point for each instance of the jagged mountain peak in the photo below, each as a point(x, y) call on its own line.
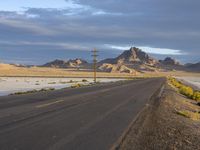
point(133, 55)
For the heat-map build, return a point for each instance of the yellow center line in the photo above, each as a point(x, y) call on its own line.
point(48, 104)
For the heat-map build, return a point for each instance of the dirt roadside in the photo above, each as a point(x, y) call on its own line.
point(161, 126)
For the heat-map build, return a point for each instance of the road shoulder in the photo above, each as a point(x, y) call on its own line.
point(161, 126)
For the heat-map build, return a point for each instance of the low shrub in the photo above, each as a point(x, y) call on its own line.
point(47, 89)
point(33, 91)
point(175, 83)
point(196, 96)
point(189, 114)
point(183, 113)
point(71, 81)
point(76, 85)
point(52, 83)
point(84, 80)
point(185, 90)
point(63, 82)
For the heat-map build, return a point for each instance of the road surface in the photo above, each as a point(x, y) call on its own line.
point(88, 118)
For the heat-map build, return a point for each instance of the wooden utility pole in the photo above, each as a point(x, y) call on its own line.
point(94, 55)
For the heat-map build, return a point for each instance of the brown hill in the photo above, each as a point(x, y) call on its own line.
point(169, 61)
point(56, 64)
point(170, 64)
point(72, 63)
point(194, 67)
point(77, 62)
point(6, 66)
point(116, 68)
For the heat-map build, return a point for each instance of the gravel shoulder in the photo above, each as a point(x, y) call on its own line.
point(162, 125)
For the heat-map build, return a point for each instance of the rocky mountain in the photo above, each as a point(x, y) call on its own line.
point(169, 61)
point(72, 63)
point(116, 68)
point(77, 62)
point(132, 59)
point(134, 55)
point(136, 59)
point(170, 64)
point(56, 64)
point(194, 67)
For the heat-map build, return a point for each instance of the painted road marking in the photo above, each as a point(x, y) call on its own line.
point(161, 91)
point(48, 104)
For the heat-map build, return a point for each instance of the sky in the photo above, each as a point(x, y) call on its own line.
point(35, 31)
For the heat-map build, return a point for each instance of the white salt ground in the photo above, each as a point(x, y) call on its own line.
point(9, 85)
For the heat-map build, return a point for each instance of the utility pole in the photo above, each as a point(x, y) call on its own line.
point(94, 55)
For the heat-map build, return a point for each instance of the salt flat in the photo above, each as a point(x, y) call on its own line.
point(195, 81)
point(9, 85)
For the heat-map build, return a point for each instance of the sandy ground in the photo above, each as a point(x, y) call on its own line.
point(9, 85)
point(160, 127)
point(10, 70)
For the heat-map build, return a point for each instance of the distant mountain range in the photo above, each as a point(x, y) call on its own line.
point(133, 60)
point(130, 61)
point(72, 63)
point(169, 61)
point(138, 61)
point(194, 67)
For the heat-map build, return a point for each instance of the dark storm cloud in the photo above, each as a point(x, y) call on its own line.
point(158, 22)
point(166, 7)
point(150, 23)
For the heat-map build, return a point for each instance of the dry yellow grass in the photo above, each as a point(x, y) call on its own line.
point(189, 114)
point(12, 71)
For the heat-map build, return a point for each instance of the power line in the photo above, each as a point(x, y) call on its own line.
point(94, 55)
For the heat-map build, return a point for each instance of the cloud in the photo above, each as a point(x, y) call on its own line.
point(59, 45)
point(145, 7)
point(26, 26)
point(154, 25)
point(151, 50)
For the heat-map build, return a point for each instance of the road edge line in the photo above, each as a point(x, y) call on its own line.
point(156, 94)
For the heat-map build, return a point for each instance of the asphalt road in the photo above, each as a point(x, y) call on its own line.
point(88, 118)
